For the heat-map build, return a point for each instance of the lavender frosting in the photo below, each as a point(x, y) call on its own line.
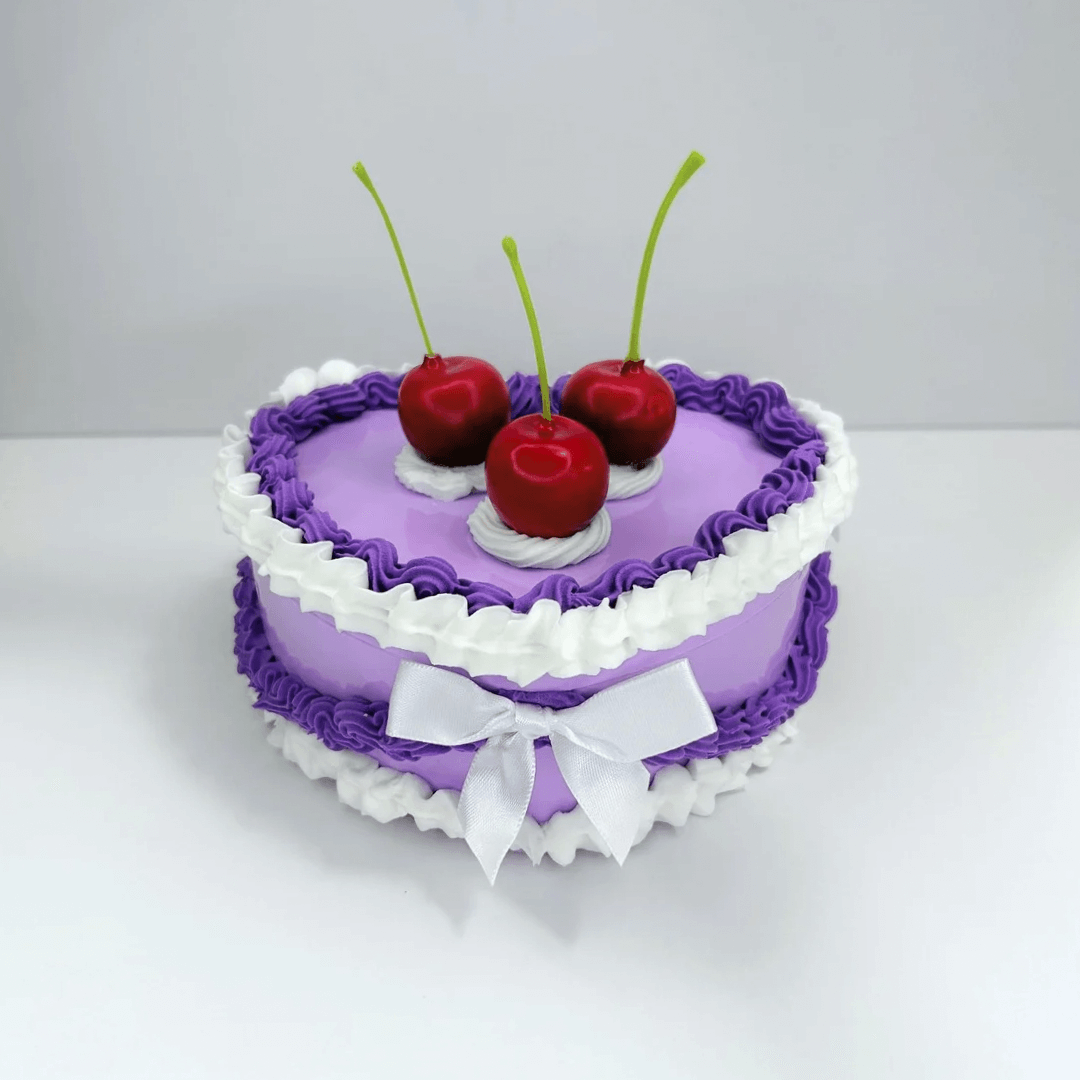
point(359, 724)
point(762, 408)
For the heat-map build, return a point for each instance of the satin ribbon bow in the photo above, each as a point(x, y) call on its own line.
point(598, 745)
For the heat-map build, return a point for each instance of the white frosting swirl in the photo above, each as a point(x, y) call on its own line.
point(440, 482)
point(547, 553)
point(626, 481)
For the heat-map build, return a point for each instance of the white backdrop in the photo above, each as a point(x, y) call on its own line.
point(889, 219)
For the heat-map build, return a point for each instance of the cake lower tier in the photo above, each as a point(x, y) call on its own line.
point(754, 668)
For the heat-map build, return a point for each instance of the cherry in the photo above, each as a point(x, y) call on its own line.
point(546, 475)
point(450, 407)
point(631, 407)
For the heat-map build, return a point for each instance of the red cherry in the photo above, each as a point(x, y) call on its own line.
point(450, 408)
point(629, 406)
point(546, 477)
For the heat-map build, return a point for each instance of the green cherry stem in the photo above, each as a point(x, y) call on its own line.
point(362, 176)
point(511, 250)
point(689, 167)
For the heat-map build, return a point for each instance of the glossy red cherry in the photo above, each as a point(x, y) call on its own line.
point(546, 477)
point(629, 406)
point(450, 408)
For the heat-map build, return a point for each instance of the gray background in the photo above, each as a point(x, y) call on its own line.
point(889, 219)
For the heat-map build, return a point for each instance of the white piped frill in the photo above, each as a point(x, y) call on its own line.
point(384, 794)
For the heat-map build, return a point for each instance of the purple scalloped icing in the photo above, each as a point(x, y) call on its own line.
point(359, 724)
point(762, 408)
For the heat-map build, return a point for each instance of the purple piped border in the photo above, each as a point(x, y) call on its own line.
point(762, 408)
point(360, 725)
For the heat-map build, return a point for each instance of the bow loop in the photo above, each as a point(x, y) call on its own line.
point(598, 745)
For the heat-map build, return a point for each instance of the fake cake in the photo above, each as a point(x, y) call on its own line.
point(577, 700)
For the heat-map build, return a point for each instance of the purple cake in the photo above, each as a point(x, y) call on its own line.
point(356, 596)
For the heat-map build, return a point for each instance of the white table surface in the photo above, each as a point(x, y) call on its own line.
point(897, 896)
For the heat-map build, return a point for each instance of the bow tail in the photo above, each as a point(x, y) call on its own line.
point(612, 793)
point(495, 797)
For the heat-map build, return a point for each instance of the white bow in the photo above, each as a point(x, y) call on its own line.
point(598, 745)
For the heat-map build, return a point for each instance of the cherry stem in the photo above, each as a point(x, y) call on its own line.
point(511, 250)
point(362, 176)
point(689, 167)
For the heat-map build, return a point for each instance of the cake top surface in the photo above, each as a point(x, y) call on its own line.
point(746, 426)
point(709, 465)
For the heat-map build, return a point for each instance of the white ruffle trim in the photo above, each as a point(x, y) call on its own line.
point(523, 646)
point(537, 552)
point(437, 481)
point(625, 481)
point(384, 794)
point(331, 373)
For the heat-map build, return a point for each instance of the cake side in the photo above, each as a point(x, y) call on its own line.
point(359, 726)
